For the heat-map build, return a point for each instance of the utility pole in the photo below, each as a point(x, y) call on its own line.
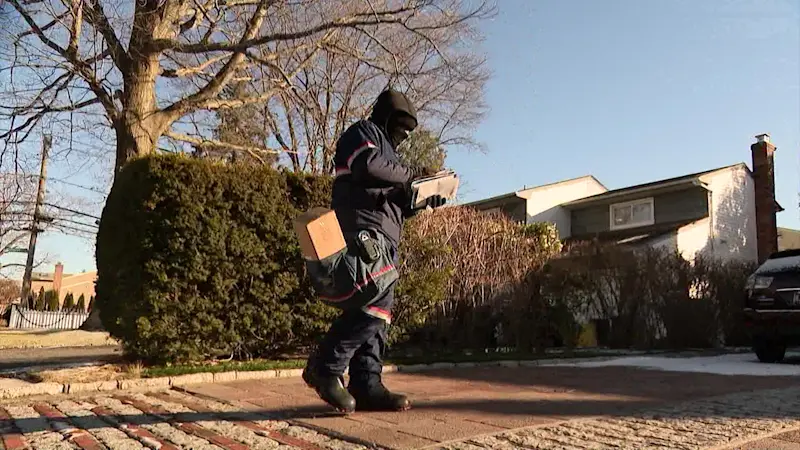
point(26, 280)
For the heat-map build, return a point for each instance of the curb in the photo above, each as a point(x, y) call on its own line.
point(162, 383)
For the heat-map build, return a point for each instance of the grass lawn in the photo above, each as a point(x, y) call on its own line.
point(53, 338)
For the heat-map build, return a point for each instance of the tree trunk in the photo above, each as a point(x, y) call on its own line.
point(137, 129)
point(135, 138)
point(141, 124)
point(93, 322)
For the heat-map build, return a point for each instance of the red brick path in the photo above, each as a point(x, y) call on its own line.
point(457, 404)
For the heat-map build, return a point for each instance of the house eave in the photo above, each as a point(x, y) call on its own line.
point(610, 197)
point(509, 196)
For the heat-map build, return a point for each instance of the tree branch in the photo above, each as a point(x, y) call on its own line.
point(386, 17)
point(76, 10)
point(81, 68)
point(219, 103)
point(186, 71)
point(254, 151)
point(98, 19)
point(215, 86)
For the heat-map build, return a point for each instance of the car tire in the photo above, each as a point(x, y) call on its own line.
point(769, 350)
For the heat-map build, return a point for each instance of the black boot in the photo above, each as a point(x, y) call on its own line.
point(330, 389)
point(375, 397)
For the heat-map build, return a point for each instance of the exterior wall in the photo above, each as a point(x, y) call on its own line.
point(693, 239)
point(667, 242)
point(77, 284)
point(81, 283)
point(788, 239)
point(733, 214)
point(37, 285)
point(670, 207)
point(543, 202)
point(513, 207)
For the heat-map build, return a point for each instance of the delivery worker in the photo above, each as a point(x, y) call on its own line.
point(370, 192)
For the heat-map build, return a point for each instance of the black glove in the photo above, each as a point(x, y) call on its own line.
point(435, 201)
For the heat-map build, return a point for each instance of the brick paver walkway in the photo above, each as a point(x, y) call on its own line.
point(472, 409)
point(455, 405)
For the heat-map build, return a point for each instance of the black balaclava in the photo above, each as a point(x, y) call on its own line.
point(395, 115)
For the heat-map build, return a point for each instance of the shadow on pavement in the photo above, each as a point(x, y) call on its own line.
point(628, 381)
point(505, 407)
point(552, 409)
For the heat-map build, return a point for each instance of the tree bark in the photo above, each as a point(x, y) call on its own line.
point(93, 322)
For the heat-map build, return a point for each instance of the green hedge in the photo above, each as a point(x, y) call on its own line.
point(198, 260)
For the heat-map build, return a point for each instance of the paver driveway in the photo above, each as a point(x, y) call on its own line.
point(489, 407)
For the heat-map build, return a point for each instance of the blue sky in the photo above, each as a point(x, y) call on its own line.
point(629, 91)
point(633, 91)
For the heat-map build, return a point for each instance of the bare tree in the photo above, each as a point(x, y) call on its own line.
point(17, 197)
point(153, 69)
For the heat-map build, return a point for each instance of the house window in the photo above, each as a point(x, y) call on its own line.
point(493, 211)
point(632, 214)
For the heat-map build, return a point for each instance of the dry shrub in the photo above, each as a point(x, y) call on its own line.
point(472, 280)
point(725, 287)
point(459, 270)
point(653, 297)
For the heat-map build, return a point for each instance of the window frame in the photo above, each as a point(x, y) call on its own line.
point(642, 201)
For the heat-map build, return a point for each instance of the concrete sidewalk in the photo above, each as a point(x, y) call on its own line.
point(566, 408)
point(783, 441)
point(541, 407)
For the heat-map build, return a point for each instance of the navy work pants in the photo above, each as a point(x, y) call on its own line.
point(357, 338)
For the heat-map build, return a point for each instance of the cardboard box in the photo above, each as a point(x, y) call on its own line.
point(319, 233)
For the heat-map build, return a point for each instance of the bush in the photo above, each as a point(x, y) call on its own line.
point(459, 267)
point(40, 304)
point(81, 303)
point(69, 302)
point(653, 297)
point(52, 301)
point(725, 286)
point(198, 260)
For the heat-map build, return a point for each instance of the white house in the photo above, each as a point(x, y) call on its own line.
point(728, 212)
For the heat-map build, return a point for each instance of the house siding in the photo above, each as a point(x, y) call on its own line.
point(788, 239)
point(670, 207)
point(512, 207)
point(733, 219)
point(694, 239)
point(77, 284)
point(543, 203)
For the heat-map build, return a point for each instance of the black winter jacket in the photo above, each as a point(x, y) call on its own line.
point(370, 187)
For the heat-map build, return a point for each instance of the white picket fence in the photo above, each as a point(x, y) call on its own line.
point(25, 318)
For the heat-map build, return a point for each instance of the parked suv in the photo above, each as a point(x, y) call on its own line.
point(772, 306)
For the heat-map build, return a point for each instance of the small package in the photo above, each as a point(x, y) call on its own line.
point(344, 276)
point(444, 184)
point(319, 234)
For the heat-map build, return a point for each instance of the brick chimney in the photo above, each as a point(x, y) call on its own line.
point(58, 275)
point(766, 207)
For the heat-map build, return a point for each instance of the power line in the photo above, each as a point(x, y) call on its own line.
point(62, 208)
point(61, 227)
point(63, 181)
point(80, 213)
point(90, 225)
point(80, 186)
